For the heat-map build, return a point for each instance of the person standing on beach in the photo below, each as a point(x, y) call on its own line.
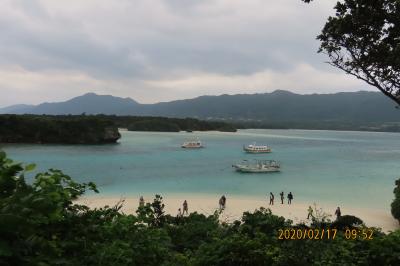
point(222, 202)
point(141, 201)
point(282, 197)
point(179, 216)
point(338, 213)
point(185, 207)
point(310, 212)
point(290, 197)
point(271, 198)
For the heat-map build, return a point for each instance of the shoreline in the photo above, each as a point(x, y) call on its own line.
point(244, 129)
point(236, 205)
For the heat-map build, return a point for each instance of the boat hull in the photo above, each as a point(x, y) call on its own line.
point(253, 151)
point(256, 149)
point(246, 169)
point(192, 147)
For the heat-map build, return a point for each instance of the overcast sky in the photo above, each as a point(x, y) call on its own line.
point(160, 50)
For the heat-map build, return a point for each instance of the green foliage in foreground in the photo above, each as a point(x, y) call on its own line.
point(41, 225)
point(396, 202)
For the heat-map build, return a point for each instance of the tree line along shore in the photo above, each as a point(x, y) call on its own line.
point(92, 129)
point(102, 129)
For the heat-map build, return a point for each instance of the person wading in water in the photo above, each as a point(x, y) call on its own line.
point(282, 197)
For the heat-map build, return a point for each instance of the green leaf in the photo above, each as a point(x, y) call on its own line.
point(2, 155)
point(30, 167)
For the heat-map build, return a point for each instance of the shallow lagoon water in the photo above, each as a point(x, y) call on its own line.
point(355, 169)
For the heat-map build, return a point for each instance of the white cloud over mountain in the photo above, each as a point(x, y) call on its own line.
point(157, 50)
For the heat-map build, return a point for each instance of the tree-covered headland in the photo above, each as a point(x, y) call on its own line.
point(165, 124)
point(41, 224)
point(91, 129)
point(57, 129)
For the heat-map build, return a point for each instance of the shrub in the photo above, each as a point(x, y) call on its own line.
point(347, 221)
point(396, 202)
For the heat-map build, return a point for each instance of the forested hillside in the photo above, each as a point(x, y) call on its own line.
point(279, 109)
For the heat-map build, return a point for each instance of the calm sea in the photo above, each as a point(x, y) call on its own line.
point(352, 168)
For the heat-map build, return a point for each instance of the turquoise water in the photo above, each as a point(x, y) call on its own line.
point(357, 168)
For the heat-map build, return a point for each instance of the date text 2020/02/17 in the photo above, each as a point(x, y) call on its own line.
point(321, 234)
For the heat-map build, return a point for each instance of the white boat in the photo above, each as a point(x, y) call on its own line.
point(253, 148)
point(192, 144)
point(260, 166)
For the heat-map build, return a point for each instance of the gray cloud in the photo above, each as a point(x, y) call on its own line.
point(154, 50)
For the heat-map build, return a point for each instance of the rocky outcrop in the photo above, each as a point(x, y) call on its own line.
point(111, 135)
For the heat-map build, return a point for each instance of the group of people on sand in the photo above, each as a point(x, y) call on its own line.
point(185, 209)
point(310, 211)
point(282, 195)
point(222, 205)
point(221, 202)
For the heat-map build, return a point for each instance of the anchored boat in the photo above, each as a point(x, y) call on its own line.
point(260, 166)
point(192, 144)
point(253, 148)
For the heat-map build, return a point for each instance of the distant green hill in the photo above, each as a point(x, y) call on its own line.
point(89, 103)
point(17, 109)
point(279, 109)
point(285, 106)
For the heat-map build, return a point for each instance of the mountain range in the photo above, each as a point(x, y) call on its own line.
point(278, 107)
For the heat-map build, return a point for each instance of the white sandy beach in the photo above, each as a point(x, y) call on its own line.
point(235, 206)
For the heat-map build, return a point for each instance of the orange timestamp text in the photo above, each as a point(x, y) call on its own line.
point(324, 233)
